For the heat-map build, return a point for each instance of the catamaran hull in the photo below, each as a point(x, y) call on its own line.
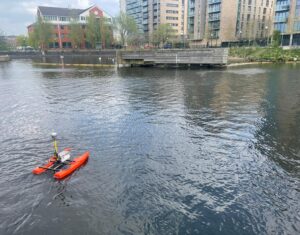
point(66, 171)
point(75, 164)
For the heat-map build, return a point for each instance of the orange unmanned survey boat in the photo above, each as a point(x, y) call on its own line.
point(60, 163)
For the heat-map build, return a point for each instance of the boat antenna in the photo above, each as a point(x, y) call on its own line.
point(53, 135)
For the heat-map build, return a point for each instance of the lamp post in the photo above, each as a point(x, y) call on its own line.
point(267, 35)
point(211, 38)
point(240, 36)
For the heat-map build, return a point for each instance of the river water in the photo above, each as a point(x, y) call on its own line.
point(172, 151)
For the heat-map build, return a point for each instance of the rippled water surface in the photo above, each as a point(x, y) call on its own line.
point(172, 151)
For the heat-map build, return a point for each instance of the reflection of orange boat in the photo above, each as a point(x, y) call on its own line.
point(62, 169)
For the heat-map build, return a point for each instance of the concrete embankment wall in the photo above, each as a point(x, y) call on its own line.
point(69, 57)
point(203, 56)
point(172, 57)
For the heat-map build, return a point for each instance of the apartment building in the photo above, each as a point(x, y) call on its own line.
point(61, 18)
point(229, 21)
point(123, 6)
point(134, 8)
point(148, 14)
point(287, 21)
point(196, 19)
point(255, 19)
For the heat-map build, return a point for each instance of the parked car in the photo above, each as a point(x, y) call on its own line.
point(168, 46)
point(26, 49)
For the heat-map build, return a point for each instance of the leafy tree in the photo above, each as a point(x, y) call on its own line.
point(22, 40)
point(3, 44)
point(32, 40)
point(163, 33)
point(137, 40)
point(76, 33)
point(276, 38)
point(106, 32)
point(41, 35)
point(126, 27)
point(93, 32)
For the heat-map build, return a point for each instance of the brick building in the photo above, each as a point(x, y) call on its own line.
point(61, 19)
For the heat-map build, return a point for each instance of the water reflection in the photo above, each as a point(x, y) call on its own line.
point(279, 129)
point(172, 151)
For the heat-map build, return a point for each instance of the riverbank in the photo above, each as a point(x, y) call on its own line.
point(108, 58)
point(258, 55)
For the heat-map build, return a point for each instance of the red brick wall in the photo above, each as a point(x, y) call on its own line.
point(96, 10)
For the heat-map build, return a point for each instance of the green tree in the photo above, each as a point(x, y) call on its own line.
point(126, 27)
point(99, 32)
point(106, 32)
point(32, 40)
point(93, 31)
point(76, 33)
point(22, 40)
point(163, 33)
point(3, 44)
point(276, 38)
point(41, 35)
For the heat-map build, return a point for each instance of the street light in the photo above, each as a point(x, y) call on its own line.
point(240, 36)
point(266, 28)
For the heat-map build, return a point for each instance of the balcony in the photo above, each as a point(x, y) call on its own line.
point(281, 20)
point(214, 1)
point(214, 10)
point(282, 8)
point(213, 19)
point(191, 14)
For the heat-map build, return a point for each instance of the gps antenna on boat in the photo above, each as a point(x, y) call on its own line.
point(53, 135)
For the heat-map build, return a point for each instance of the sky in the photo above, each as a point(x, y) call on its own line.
point(16, 15)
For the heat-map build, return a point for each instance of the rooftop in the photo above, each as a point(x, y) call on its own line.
point(58, 11)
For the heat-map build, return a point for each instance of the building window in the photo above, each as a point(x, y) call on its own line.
point(171, 18)
point(298, 8)
point(280, 27)
point(265, 11)
point(50, 18)
point(67, 45)
point(62, 18)
point(171, 12)
point(171, 5)
point(297, 26)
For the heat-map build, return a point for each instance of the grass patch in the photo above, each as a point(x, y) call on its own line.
point(270, 54)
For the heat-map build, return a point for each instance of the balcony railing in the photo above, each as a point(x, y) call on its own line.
point(213, 18)
point(281, 20)
point(282, 7)
point(214, 1)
